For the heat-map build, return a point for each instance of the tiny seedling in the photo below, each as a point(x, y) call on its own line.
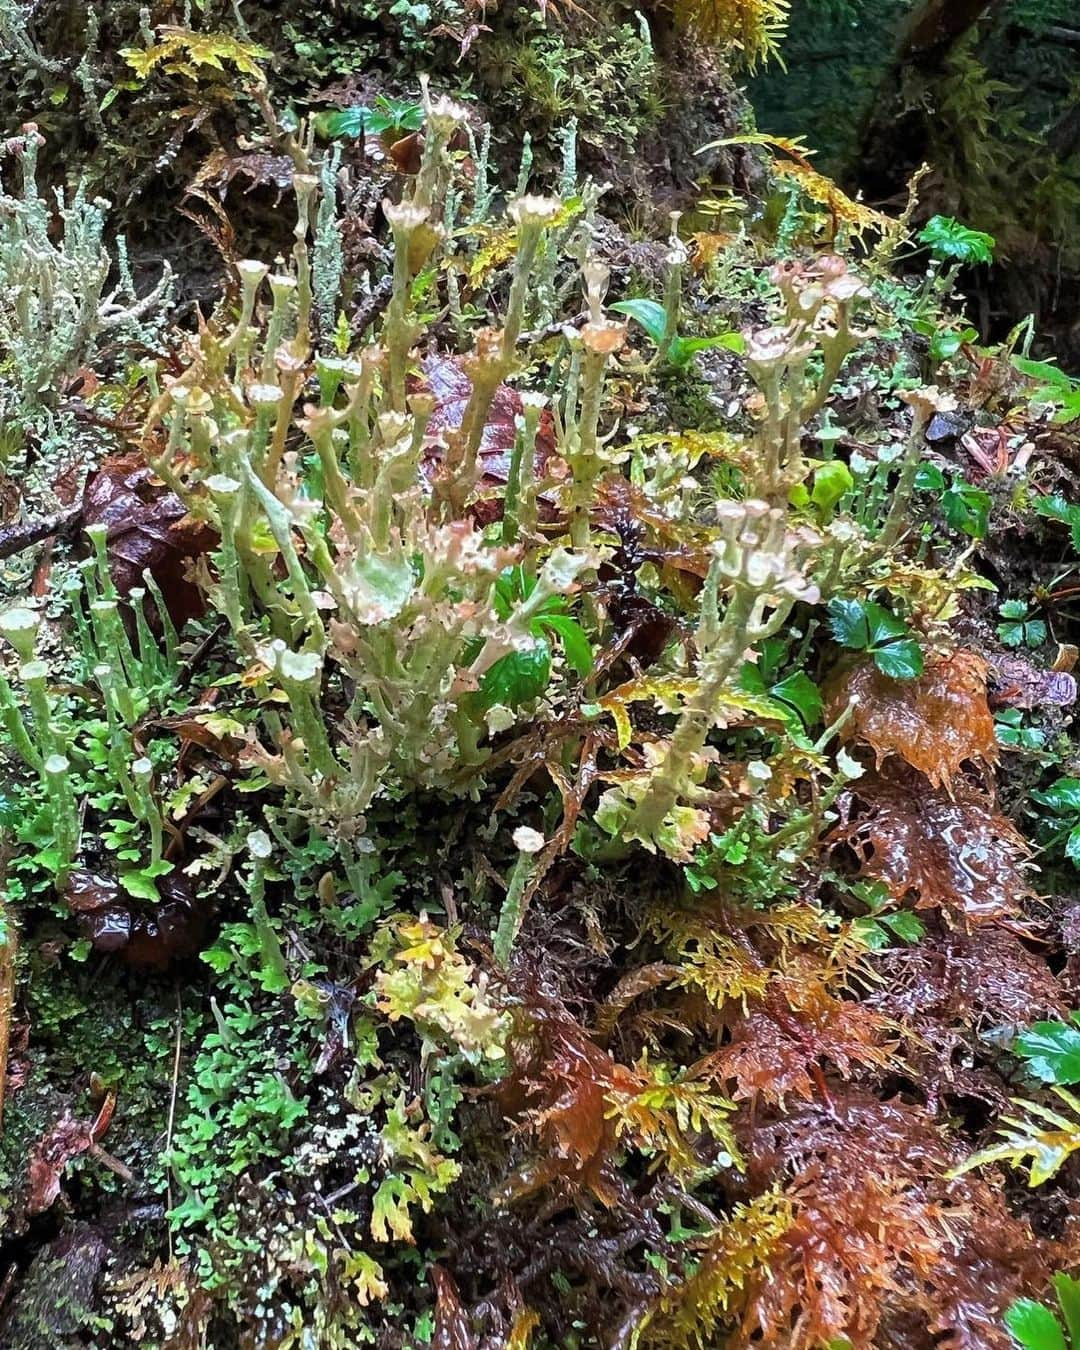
point(966, 508)
point(1018, 628)
point(680, 351)
point(1011, 731)
point(521, 676)
point(882, 927)
point(386, 115)
point(862, 626)
point(951, 242)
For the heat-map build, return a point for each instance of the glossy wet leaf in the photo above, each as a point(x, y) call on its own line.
point(796, 691)
point(148, 528)
point(575, 644)
point(800, 691)
point(649, 313)
point(849, 623)
point(908, 927)
point(901, 660)
point(683, 349)
point(449, 383)
point(1052, 1051)
point(948, 851)
point(516, 678)
point(1034, 1326)
point(936, 722)
point(863, 625)
point(653, 318)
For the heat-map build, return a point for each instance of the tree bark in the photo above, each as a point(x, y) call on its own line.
point(894, 137)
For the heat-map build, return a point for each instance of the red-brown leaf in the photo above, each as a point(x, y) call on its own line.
point(448, 382)
point(68, 1138)
point(950, 852)
point(146, 935)
point(937, 722)
point(148, 529)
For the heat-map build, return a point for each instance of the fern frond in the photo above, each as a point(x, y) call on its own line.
point(1040, 1137)
point(688, 1316)
point(819, 189)
point(661, 1116)
point(179, 51)
point(717, 962)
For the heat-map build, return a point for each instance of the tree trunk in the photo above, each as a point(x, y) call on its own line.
point(894, 137)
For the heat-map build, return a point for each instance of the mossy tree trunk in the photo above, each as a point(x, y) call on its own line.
point(894, 137)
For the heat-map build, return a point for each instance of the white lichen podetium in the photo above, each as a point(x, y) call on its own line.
point(529, 844)
point(494, 358)
point(761, 566)
point(53, 300)
point(581, 444)
point(342, 567)
point(820, 302)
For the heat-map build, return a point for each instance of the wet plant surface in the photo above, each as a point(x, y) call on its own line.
point(540, 806)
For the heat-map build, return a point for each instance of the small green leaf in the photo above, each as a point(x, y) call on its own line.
point(513, 585)
point(849, 623)
point(1068, 1293)
point(1013, 609)
point(908, 927)
point(1044, 371)
point(1035, 632)
point(1072, 845)
point(1034, 1326)
point(649, 313)
point(947, 239)
point(1062, 796)
point(517, 677)
point(1052, 1050)
point(900, 660)
point(929, 478)
point(1012, 634)
point(732, 342)
point(831, 481)
point(802, 693)
point(344, 122)
point(575, 644)
point(139, 885)
point(945, 344)
point(751, 680)
point(967, 509)
point(883, 624)
point(873, 935)
point(1056, 507)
